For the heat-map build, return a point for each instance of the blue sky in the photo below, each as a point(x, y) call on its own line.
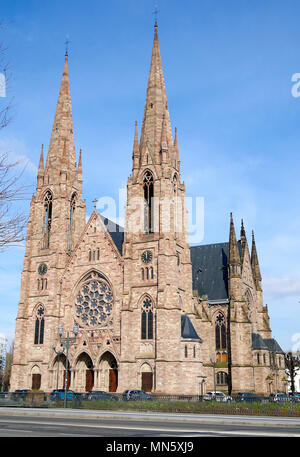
point(228, 69)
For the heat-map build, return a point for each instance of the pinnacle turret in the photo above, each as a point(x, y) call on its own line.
point(255, 264)
point(234, 255)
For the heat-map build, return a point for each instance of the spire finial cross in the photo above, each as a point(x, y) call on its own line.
point(95, 201)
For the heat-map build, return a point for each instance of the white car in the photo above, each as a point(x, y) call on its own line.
point(217, 396)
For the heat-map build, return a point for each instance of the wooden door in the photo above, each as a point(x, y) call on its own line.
point(147, 382)
point(113, 380)
point(89, 380)
point(68, 379)
point(36, 381)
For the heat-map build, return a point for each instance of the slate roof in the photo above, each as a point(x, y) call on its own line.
point(187, 329)
point(258, 342)
point(115, 231)
point(269, 344)
point(209, 270)
point(273, 345)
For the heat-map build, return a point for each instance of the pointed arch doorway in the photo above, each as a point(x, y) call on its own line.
point(108, 372)
point(85, 372)
point(146, 377)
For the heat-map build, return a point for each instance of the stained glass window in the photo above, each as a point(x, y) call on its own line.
point(147, 320)
point(220, 331)
point(94, 301)
point(39, 326)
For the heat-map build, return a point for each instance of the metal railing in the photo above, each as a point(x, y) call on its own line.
point(157, 402)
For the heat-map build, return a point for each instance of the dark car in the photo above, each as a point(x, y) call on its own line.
point(136, 395)
point(20, 394)
point(279, 398)
point(295, 398)
point(101, 395)
point(59, 394)
point(247, 397)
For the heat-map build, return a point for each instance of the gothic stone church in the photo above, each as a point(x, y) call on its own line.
point(151, 312)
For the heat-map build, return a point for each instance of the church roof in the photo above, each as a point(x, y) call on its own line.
point(265, 343)
point(209, 270)
point(273, 346)
point(116, 232)
point(187, 329)
point(258, 342)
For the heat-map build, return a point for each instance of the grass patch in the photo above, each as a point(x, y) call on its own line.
point(234, 408)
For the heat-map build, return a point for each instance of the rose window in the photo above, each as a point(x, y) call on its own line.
point(94, 301)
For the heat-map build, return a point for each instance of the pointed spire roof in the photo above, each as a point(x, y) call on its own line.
point(254, 261)
point(233, 255)
point(136, 140)
point(156, 105)
point(62, 147)
point(79, 169)
point(41, 162)
point(244, 242)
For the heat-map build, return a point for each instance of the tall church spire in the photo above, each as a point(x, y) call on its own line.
point(61, 147)
point(255, 264)
point(156, 110)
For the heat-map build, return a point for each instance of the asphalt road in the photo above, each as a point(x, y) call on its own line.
point(71, 423)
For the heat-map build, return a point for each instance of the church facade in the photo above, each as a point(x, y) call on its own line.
point(149, 312)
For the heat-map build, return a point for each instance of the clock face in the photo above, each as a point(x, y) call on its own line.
point(146, 256)
point(42, 269)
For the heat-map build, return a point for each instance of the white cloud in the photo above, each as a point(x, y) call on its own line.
point(275, 288)
point(17, 152)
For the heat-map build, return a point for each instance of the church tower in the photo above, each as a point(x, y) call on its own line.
point(56, 220)
point(157, 267)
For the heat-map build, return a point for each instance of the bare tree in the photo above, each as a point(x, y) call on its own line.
point(12, 224)
point(7, 372)
point(292, 365)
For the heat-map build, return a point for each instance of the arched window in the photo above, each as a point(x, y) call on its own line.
point(185, 351)
point(143, 274)
point(148, 200)
point(71, 222)
point(151, 273)
point(39, 326)
point(90, 255)
point(48, 200)
point(147, 320)
point(222, 378)
point(220, 332)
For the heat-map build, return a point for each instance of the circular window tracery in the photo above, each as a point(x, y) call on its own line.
point(94, 301)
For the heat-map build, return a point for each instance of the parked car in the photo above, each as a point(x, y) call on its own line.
point(216, 396)
point(101, 395)
point(59, 394)
point(136, 395)
point(20, 394)
point(247, 397)
point(294, 398)
point(279, 398)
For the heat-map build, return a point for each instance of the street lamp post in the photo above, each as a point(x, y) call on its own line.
point(214, 364)
point(59, 353)
point(67, 342)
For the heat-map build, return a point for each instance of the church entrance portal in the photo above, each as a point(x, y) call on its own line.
point(108, 372)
